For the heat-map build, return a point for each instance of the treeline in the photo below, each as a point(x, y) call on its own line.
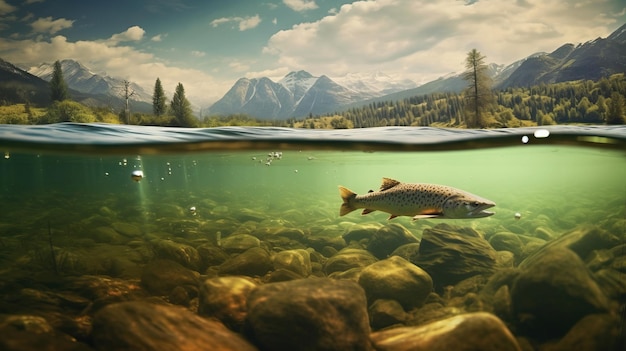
point(569, 102)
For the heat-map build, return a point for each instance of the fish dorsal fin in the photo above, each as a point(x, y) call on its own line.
point(388, 183)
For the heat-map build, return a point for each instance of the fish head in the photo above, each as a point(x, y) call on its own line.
point(467, 206)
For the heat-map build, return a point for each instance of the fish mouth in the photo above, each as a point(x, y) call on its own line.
point(480, 211)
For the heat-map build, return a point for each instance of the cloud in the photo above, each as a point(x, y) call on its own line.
point(6, 8)
point(244, 23)
point(431, 37)
point(48, 25)
point(274, 74)
point(300, 5)
point(158, 37)
point(238, 66)
point(28, 2)
point(198, 53)
point(249, 22)
point(134, 33)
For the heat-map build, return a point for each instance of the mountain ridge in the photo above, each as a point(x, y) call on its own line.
point(299, 93)
point(81, 78)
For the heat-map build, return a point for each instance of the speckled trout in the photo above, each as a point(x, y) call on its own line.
point(416, 200)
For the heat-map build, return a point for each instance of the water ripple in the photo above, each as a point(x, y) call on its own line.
point(106, 138)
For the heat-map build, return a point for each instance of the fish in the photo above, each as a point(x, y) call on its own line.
point(416, 200)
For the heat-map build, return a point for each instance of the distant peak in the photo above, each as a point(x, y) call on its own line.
point(299, 74)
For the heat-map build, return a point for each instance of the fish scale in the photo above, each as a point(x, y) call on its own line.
point(417, 200)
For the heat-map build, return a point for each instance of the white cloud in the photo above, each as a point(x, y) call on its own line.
point(249, 22)
point(238, 66)
point(6, 8)
point(274, 74)
point(158, 37)
point(275, 21)
point(244, 23)
point(431, 37)
point(198, 53)
point(300, 5)
point(48, 25)
point(134, 33)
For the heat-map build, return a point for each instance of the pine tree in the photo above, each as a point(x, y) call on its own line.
point(158, 99)
point(478, 93)
point(181, 109)
point(615, 114)
point(58, 87)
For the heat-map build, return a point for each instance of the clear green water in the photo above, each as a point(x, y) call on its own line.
point(558, 186)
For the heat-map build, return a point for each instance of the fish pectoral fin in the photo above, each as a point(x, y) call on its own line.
point(366, 211)
point(423, 216)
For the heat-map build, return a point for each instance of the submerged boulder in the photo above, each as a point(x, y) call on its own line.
point(308, 314)
point(593, 332)
point(28, 332)
point(161, 276)
point(184, 254)
point(138, 325)
point(384, 313)
point(348, 258)
point(253, 262)
point(450, 254)
point(358, 232)
point(239, 243)
point(467, 332)
point(389, 238)
point(582, 241)
point(298, 261)
point(398, 279)
point(224, 298)
point(554, 290)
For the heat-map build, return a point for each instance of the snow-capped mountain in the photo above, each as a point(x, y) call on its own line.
point(298, 83)
point(375, 83)
point(300, 93)
point(82, 79)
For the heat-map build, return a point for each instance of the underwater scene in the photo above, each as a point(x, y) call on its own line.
point(141, 238)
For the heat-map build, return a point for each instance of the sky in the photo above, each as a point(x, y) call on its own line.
point(207, 45)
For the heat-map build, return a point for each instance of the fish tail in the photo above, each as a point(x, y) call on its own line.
point(347, 196)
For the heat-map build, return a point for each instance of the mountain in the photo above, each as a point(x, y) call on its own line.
point(325, 96)
point(374, 84)
point(81, 78)
point(298, 83)
point(592, 60)
point(299, 94)
point(451, 83)
point(256, 97)
point(17, 85)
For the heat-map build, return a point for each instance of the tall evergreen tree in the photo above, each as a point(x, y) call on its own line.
point(158, 99)
point(615, 114)
point(58, 87)
point(181, 109)
point(478, 94)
